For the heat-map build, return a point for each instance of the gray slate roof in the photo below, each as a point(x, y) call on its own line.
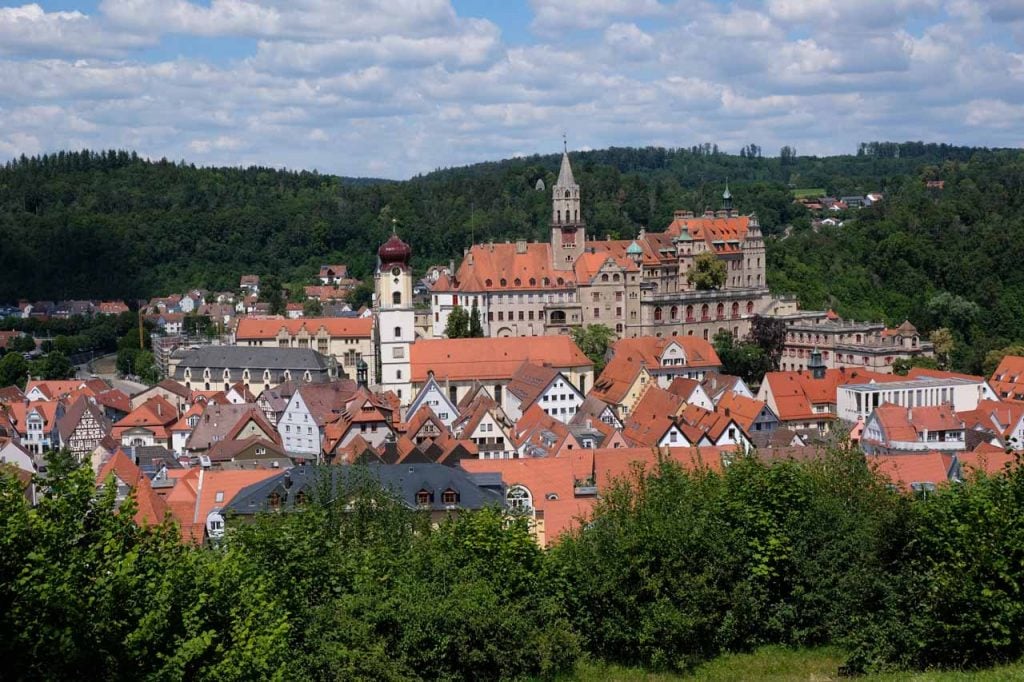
point(229, 357)
point(404, 480)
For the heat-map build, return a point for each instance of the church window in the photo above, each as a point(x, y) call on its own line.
point(566, 194)
point(396, 298)
point(559, 213)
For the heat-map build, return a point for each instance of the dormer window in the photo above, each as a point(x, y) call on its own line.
point(274, 502)
point(424, 498)
point(503, 282)
point(488, 283)
point(450, 497)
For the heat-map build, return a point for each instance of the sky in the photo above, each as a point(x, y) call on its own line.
point(393, 88)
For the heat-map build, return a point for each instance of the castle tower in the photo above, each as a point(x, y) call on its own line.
point(394, 317)
point(568, 232)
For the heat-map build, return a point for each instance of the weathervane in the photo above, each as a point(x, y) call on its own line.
point(565, 143)
point(394, 226)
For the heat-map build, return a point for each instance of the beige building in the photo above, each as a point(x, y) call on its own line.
point(345, 339)
point(846, 343)
point(637, 287)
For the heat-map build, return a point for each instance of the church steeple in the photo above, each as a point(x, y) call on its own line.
point(727, 198)
point(568, 233)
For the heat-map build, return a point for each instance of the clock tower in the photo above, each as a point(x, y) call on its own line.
point(394, 317)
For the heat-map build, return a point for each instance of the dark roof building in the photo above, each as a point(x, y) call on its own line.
point(432, 487)
point(259, 368)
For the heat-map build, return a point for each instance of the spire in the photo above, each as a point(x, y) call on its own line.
point(727, 197)
point(565, 178)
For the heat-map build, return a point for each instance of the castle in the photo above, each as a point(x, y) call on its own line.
point(637, 287)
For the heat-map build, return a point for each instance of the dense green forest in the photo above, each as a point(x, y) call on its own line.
point(85, 224)
point(674, 568)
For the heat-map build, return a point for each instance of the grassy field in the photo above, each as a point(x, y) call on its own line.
point(776, 664)
point(808, 192)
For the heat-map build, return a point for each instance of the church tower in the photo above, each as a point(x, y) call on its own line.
point(568, 232)
point(394, 317)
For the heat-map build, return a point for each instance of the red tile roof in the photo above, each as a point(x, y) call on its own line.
point(551, 481)
point(795, 393)
point(904, 469)
point(1008, 379)
point(490, 358)
point(336, 327)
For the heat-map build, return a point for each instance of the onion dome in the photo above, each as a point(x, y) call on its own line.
point(394, 252)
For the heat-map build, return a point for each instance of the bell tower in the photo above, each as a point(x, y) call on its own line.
point(568, 232)
point(394, 317)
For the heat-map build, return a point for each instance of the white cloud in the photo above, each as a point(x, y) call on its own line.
point(30, 30)
point(551, 16)
point(369, 87)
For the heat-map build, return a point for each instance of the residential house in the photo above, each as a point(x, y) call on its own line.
point(434, 397)
point(894, 429)
point(273, 401)
point(249, 284)
point(148, 424)
point(227, 423)
point(919, 473)
point(36, 424)
point(248, 453)
point(1008, 379)
point(482, 421)
point(170, 390)
point(307, 414)
point(542, 385)
point(82, 427)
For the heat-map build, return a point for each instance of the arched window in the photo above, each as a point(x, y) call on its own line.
point(566, 194)
point(559, 214)
point(735, 309)
point(615, 278)
point(396, 298)
point(657, 314)
point(705, 312)
point(750, 307)
point(519, 499)
point(518, 282)
point(503, 282)
point(674, 312)
point(398, 332)
point(720, 311)
point(689, 313)
point(604, 277)
point(533, 282)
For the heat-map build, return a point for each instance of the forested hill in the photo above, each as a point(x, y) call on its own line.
point(109, 224)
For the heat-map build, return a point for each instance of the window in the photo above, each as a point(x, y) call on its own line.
point(396, 298)
point(424, 498)
point(519, 499)
point(657, 314)
point(398, 332)
point(398, 352)
point(449, 497)
point(274, 501)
